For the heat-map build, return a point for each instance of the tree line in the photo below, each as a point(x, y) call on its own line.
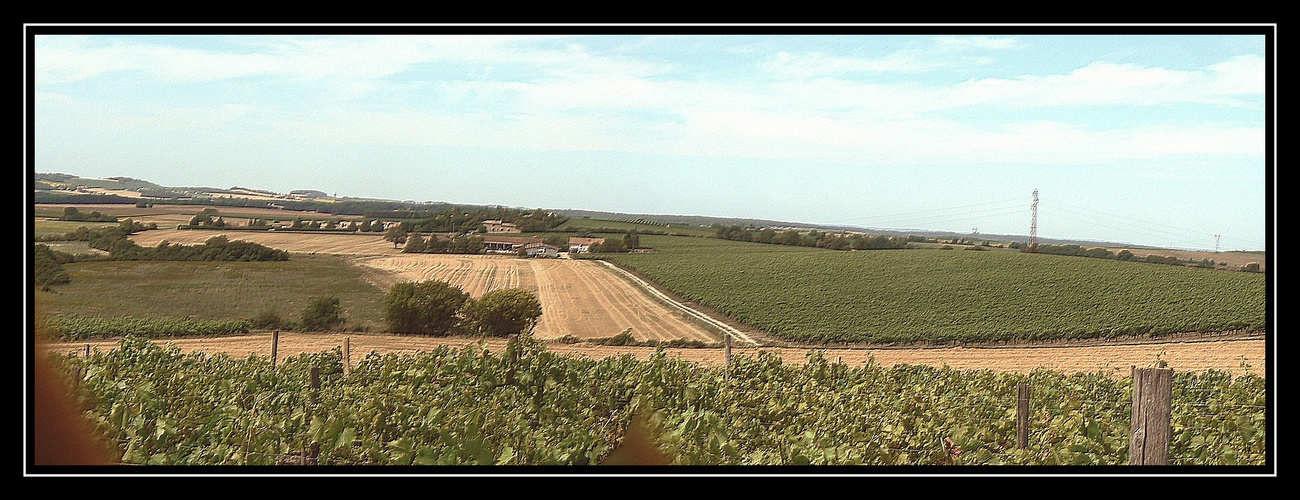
point(813, 238)
point(1124, 255)
point(74, 215)
point(425, 308)
point(415, 243)
point(48, 263)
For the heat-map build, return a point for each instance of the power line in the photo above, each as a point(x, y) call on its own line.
point(1179, 234)
point(941, 218)
point(897, 215)
point(1201, 237)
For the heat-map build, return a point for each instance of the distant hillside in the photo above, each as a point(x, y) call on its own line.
point(68, 188)
point(697, 220)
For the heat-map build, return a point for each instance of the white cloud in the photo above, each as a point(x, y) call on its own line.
point(812, 64)
point(577, 99)
point(1104, 82)
point(979, 42)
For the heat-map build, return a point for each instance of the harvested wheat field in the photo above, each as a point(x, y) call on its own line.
point(1234, 354)
point(579, 298)
point(335, 243)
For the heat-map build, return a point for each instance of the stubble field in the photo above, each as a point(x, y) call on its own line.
point(579, 298)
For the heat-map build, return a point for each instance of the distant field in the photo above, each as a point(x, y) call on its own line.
point(127, 210)
point(44, 227)
point(332, 243)
point(74, 247)
point(682, 229)
point(938, 295)
point(213, 290)
point(1235, 260)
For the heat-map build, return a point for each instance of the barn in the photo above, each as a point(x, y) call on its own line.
point(584, 245)
point(506, 244)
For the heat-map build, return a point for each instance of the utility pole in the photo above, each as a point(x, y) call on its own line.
point(1033, 224)
point(1216, 243)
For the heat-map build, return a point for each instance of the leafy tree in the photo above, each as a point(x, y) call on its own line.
point(322, 314)
point(437, 245)
point(611, 245)
point(503, 312)
point(395, 234)
point(467, 244)
point(632, 241)
point(425, 307)
point(48, 267)
point(416, 244)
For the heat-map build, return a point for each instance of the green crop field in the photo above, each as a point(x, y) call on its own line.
point(527, 406)
point(213, 290)
point(944, 296)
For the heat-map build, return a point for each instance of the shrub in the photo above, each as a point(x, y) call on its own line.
point(268, 319)
point(48, 267)
point(426, 307)
point(322, 314)
point(503, 312)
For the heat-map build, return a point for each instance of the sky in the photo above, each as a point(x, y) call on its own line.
point(1153, 139)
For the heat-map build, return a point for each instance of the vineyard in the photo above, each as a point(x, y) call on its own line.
point(69, 327)
point(945, 296)
point(527, 406)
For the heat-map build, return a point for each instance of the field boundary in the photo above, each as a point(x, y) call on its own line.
point(726, 328)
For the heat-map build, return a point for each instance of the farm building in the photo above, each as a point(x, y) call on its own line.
point(496, 226)
point(584, 245)
point(541, 250)
point(506, 244)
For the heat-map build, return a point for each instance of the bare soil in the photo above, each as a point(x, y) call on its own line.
point(1235, 354)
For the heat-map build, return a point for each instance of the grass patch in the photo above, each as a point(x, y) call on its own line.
point(73, 247)
point(214, 290)
point(45, 228)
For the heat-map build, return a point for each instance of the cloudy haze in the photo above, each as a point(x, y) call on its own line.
point(1155, 139)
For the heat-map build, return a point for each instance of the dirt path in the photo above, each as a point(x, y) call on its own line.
point(1234, 354)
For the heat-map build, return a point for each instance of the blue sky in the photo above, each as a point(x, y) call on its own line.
point(1155, 139)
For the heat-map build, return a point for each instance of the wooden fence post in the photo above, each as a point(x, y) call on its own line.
point(1022, 415)
point(726, 347)
point(1149, 434)
point(275, 344)
point(347, 356)
point(87, 351)
point(313, 455)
